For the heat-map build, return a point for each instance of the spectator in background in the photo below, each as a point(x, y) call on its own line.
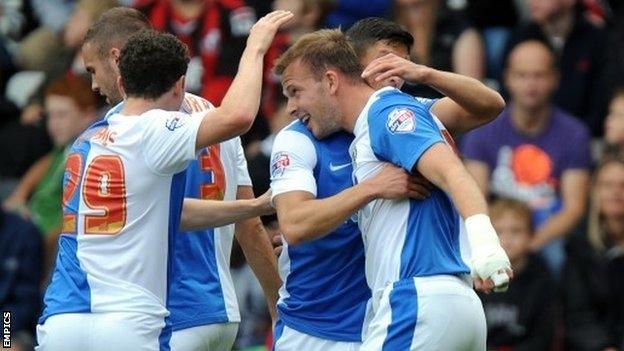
point(309, 16)
point(580, 50)
point(593, 285)
point(495, 20)
point(522, 318)
point(614, 124)
point(69, 61)
point(20, 277)
point(534, 152)
point(215, 32)
point(42, 44)
point(70, 107)
point(443, 37)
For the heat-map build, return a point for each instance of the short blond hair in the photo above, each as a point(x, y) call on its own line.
point(322, 50)
point(518, 208)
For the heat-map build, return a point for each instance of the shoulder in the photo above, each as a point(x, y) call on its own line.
point(567, 124)
point(295, 132)
point(171, 119)
point(193, 103)
point(298, 127)
point(397, 110)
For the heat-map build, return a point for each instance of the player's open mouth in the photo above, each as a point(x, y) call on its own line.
point(305, 120)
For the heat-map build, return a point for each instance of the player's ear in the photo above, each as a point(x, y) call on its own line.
point(113, 55)
point(178, 87)
point(331, 79)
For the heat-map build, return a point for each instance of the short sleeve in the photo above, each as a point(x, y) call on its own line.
point(292, 163)
point(579, 155)
point(242, 172)
point(428, 103)
point(401, 133)
point(169, 139)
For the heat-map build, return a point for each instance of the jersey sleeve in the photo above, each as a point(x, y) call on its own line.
point(579, 155)
point(428, 103)
point(401, 133)
point(242, 172)
point(292, 163)
point(169, 139)
point(193, 104)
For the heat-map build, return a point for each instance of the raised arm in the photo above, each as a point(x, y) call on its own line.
point(240, 105)
point(468, 102)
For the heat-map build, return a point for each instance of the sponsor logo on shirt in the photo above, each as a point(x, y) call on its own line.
point(175, 122)
point(401, 120)
point(280, 162)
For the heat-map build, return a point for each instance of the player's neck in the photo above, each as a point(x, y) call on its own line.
point(353, 99)
point(530, 121)
point(135, 106)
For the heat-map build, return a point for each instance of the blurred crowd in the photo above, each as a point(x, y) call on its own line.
point(552, 163)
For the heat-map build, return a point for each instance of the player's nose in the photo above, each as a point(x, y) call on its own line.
point(94, 86)
point(291, 109)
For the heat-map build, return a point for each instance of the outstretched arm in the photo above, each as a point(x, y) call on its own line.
point(468, 102)
point(201, 214)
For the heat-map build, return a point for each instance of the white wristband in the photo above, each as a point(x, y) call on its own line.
point(489, 260)
point(480, 231)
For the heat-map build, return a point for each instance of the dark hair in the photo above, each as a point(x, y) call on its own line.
point(322, 50)
point(368, 31)
point(151, 62)
point(114, 27)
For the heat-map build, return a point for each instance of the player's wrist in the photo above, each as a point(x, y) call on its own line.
point(255, 50)
point(419, 74)
point(370, 190)
point(480, 231)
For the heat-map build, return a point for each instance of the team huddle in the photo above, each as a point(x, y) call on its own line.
point(385, 234)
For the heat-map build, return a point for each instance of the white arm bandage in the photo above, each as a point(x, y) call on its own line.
point(488, 257)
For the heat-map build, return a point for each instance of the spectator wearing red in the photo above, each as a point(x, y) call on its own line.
point(215, 32)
